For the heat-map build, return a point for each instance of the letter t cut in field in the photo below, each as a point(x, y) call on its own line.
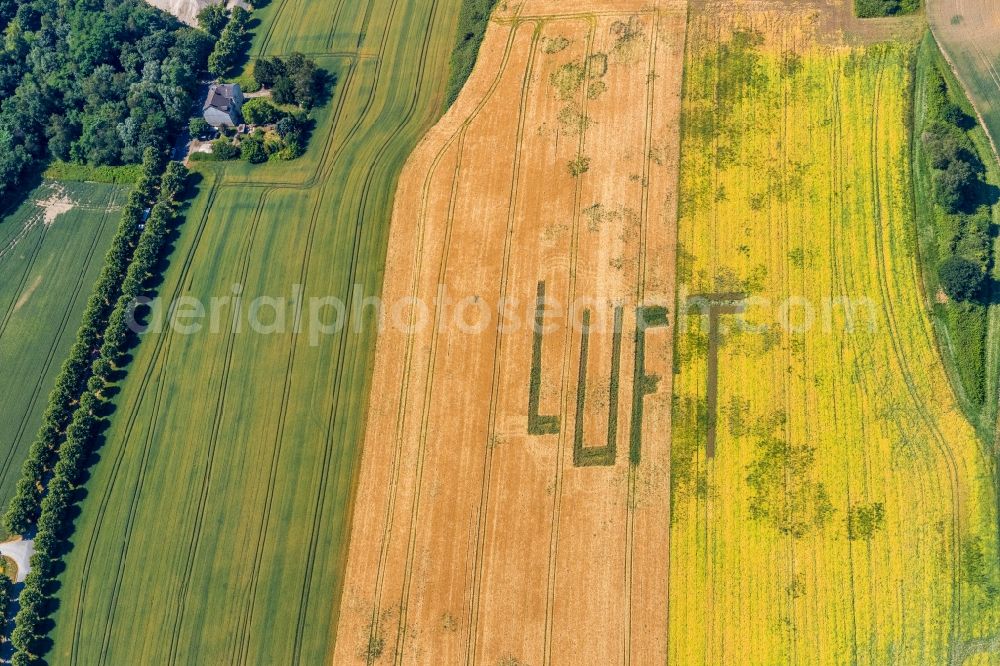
point(718, 305)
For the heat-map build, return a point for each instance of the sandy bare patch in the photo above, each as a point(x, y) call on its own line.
point(49, 208)
point(27, 293)
point(56, 204)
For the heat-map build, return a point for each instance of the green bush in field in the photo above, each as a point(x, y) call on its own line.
point(260, 111)
point(224, 149)
point(961, 278)
point(252, 150)
point(292, 80)
point(877, 8)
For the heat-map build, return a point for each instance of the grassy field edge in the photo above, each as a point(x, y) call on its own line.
point(983, 418)
point(472, 21)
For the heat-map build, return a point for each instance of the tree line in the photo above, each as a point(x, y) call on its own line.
point(92, 82)
point(75, 412)
point(233, 39)
point(958, 185)
point(23, 510)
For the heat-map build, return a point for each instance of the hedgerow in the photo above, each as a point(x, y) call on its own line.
point(472, 21)
point(961, 257)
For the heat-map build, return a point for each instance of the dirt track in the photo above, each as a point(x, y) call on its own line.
point(493, 525)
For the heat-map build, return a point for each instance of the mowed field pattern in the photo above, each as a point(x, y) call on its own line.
point(514, 484)
point(214, 530)
point(51, 250)
point(847, 513)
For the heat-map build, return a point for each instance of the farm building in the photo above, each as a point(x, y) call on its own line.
point(222, 105)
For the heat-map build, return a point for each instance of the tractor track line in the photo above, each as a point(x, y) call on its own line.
point(903, 364)
point(242, 636)
point(494, 389)
point(220, 413)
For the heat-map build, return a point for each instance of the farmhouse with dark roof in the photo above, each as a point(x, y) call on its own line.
point(222, 106)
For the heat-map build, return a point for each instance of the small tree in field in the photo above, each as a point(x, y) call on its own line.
point(961, 279)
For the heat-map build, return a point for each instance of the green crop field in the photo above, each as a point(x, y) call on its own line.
point(51, 249)
point(215, 523)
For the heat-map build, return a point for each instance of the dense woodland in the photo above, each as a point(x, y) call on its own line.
point(92, 82)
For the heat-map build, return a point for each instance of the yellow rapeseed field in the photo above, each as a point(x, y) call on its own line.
point(830, 504)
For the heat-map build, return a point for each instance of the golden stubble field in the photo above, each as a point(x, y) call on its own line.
point(512, 501)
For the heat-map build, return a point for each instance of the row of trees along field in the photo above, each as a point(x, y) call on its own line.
point(963, 219)
point(233, 39)
point(92, 83)
point(76, 407)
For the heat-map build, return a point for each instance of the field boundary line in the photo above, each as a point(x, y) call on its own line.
point(640, 292)
point(335, 405)
point(568, 16)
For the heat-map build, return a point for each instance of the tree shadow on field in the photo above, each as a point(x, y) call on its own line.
point(13, 606)
point(327, 85)
point(13, 199)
